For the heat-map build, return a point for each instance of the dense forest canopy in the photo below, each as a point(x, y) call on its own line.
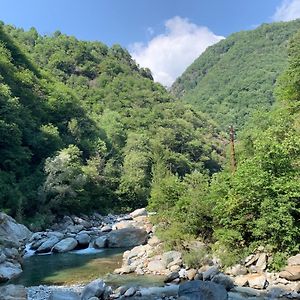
point(236, 77)
point(82, 127)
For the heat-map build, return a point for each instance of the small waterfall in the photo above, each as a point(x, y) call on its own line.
point(27, 251)
point(89, 250)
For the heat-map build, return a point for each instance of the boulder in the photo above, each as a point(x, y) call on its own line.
point(13, 292)
point(139, 212)
point(157, 266)
point(106, 228)
point(47, 245)
point(83, 239)
point(64, 295)
point(224, 280)
point(290, 273)
point(171, 257)
point(130, 292)
point(12, 234)
point(154, 241)
point(127, 237)
point(261, 263)
point(200, 290)
point(9, 270)
point(101, 242)
point(236, 270)
point(65, 245)
point(191, 273)
point(171, 276)
point(74, 228)
point(210, 273)
point(294, 260)
point(95, 288)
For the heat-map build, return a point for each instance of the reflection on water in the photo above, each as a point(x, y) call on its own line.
point(79, 267)
point(69, 268)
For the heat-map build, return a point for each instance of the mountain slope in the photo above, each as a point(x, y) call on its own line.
point(235, 77)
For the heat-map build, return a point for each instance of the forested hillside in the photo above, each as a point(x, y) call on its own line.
point(236, 77)
point(82, 127)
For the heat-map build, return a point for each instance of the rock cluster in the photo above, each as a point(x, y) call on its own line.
point(96, 231)
point(13, 237)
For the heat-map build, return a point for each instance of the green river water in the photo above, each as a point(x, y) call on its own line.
point(80, 267)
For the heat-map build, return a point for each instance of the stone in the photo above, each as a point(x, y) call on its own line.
point(251, 259)
point(101, 242)
point(139, 212)
point(125, 270)
point(13, 292)
point(96, 288)
point(65, 245)
point(224, 280)
point(59, 235)
point(256, 281)
point(125, 224)
point(11, 253)
point(74, 228)
point(171, 276)
point(2, 258)
point(294, 260)
point(83, 238)
point(171, 256)
point(12, 234)
point(130, 292)
point(9, 270)
point(157, 266)
point(174, 268)
point(154, 241)
point(127, 237)
point(47, 245)
point(200, 290)
point(261, 263)
point(290, 273)
point(106, 228)
point(236, 270)
point(241, 280)
point(64, 295)
point(191, 273)
point(210, 273)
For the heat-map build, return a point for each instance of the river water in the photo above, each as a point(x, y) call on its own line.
point(80, 267)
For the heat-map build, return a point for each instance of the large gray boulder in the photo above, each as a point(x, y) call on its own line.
point(47, 245)
point(12, 234)
point(65, 245)
point(126, 237)
point(95, 288)
point(13, 292)
point(9, 270)
point(200, 290)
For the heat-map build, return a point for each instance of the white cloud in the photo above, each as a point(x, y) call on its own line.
point(287, 11)
point(167, 55)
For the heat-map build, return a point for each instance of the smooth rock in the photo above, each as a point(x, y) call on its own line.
point(47, 245)
point(12, 234)
point(139, 212)
point(64, 295)
point(171, 276)
point(106, 228)
point(127, 237)
point(261, 263)
point(74, 228)
point(294, 260)
point(256, 281)
point(94, 289)
point(290, 273)
point(130, 292)
point(236, 270)
point(210, 273)
point(154, 241)
point(83, 238)
point(171, 258)
point(191, 273)
point(13, 292)
point(9, 270)
point(224, 280)
point(157, 266)
point(200, 290)
point(65, 245)
point(101, 242)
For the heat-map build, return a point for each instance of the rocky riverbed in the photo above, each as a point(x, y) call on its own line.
point(248, 280)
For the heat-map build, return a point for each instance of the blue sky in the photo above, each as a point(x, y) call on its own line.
point(138, 24)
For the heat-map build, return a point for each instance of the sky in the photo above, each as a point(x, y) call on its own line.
point(163, 35)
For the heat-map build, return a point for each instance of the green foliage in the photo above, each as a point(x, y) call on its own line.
point(236, 77)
